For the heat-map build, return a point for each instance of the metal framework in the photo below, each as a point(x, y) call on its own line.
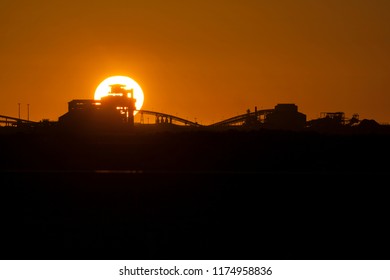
point(237, 120)
point(166, 118)
point(12, 121)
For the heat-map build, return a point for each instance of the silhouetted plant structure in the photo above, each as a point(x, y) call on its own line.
point(184, 192)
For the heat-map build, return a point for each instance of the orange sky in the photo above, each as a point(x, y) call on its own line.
point(208, 60)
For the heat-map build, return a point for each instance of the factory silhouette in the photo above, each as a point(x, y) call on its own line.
point(103, 135)
point(116, 111)
point(267, 184)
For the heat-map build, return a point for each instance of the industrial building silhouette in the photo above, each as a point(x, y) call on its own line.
point(265, 183)
point(116, 112)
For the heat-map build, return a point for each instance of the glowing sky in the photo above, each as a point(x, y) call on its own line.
point(208, 60)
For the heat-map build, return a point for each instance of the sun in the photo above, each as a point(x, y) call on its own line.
point(104, 88)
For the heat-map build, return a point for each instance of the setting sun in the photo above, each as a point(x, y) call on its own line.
point(104, 88)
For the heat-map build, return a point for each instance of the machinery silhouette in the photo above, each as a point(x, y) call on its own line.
point(117, 110)
point(15, 122)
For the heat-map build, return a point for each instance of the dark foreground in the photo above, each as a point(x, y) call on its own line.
point(195, 196)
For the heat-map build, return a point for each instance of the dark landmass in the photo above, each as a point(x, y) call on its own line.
point(194, 194)
point(185, 149)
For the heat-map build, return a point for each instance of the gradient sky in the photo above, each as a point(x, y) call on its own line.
point(197, 59)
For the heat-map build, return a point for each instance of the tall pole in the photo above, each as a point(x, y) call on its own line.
point(19, 110)
point(28, 112)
